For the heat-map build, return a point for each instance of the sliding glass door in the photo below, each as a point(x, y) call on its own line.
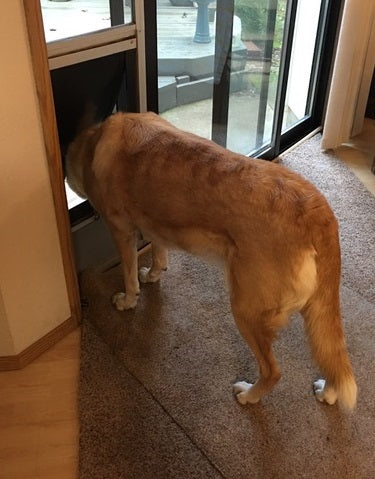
point(259, 26)
point(249, 74)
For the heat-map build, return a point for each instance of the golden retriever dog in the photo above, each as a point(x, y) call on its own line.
point(274, 232)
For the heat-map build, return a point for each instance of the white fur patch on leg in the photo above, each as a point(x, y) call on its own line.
point(146, 276)
point(324, 393)
point(243, 392)
point(124, 301)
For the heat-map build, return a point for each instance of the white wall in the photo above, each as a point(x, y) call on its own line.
point(33, 293)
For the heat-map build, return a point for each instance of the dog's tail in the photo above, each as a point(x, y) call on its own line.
point(324, 326)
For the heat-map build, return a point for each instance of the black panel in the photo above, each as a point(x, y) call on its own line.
point(116, 8)
point(151, 55)
point(86, 93)
point(370, 108)
point(222, 71)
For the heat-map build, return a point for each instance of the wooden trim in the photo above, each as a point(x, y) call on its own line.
point(19, 361)
point(90, 40)
point(97, 52)
point(39, 57)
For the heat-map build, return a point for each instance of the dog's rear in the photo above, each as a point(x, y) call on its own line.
point(293, 277)
point(275, 232)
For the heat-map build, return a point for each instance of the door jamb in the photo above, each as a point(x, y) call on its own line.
point(39, 58)
point(40, 64)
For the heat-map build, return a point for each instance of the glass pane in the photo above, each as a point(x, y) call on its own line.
point(256, 46)
point(69, 18)
point(186, 54)
point(305, 31)
point(186, 63)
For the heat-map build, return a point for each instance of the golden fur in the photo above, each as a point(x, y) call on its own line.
point(272, 229)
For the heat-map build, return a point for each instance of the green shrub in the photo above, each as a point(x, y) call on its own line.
point(254, 17)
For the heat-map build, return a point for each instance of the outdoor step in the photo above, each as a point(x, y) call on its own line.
point(172, 93)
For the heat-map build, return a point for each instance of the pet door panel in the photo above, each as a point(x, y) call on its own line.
point(86, 93)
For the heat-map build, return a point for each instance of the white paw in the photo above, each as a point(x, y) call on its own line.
point(243, 392)
point(324, 393)
point(124, 301)
point(145, 275)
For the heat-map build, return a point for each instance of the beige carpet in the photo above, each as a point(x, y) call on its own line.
point(155, 385)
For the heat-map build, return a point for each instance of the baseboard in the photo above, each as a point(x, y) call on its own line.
point(19, 361)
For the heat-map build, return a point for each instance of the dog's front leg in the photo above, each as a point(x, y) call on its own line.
point(159, 264)
point(127, 246)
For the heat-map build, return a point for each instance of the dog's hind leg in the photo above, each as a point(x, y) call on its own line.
point(258, 326)
point(259, 331)
point(159, 264)
point(127, 246)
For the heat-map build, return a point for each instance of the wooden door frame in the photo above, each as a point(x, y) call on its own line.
point(39, 58)
point(43, 85)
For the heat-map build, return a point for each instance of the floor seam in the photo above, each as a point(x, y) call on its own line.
point(181, 428)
